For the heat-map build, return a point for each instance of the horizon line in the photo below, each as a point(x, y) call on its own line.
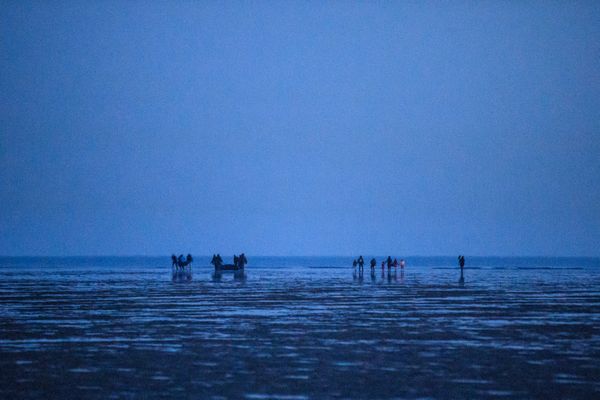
point(299, 256)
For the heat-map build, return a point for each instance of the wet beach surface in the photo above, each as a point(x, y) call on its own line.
point(74, 330)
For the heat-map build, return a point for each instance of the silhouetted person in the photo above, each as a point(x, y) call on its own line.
point(395, 263)
point(361, 262)
point(189, 259)
point(389, 262)
point(461, 262)
point(242, 260)
point(236, 260)
point(173, 260)
point(181, 261)
point(373, 263)
point(402, 263)
point(354, 263)
point(217, 261)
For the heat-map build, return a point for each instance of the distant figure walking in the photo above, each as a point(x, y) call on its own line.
point(373, 264)
point(461, 262)
point(361, 262)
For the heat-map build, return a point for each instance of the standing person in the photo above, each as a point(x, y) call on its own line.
point(402, 263)
point(461, 262)
point(236, 260)
point(389, 262)
point(218, 261)
point(373, 264)
point(361, 262)
point(242, 261)
point(173, 260)
point(395, 263)
point(354, 264)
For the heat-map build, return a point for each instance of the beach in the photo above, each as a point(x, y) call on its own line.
point(300, 328)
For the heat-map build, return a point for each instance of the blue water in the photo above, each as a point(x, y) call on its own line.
point(300, 328)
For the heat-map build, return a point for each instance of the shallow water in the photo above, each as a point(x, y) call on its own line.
point(299, 328)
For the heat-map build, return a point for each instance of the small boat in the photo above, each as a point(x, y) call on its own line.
point(238, 263)
point(228, 267)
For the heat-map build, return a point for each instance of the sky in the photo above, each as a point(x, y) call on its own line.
point(300, 128)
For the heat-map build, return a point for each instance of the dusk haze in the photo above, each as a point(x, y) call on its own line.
point(300, 128)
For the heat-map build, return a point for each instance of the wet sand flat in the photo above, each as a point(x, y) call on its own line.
point(299, 332)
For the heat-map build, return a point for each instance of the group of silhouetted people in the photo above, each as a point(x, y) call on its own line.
point(360, 262)
point(217, 261)
point(238, 261)
point(181, 262)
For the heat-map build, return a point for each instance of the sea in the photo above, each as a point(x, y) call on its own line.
point(297, 328)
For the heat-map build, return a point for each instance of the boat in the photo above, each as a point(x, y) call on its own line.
point(228, 267)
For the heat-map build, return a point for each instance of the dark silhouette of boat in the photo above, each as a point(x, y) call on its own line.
point(238, 263)
point(229, 267)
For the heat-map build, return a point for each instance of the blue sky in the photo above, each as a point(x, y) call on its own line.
point(300, 128)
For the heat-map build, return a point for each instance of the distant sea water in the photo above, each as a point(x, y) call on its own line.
point(299, 328)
